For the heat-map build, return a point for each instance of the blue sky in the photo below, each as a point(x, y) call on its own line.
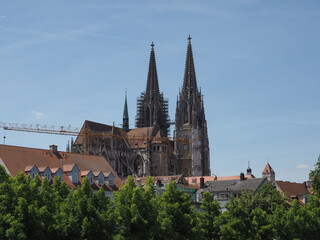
point(257, 63)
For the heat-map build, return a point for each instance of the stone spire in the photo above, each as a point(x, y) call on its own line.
point(189, 82)
point(152, 88)
point(190, 123)
point(125, 123)
point(152, 108)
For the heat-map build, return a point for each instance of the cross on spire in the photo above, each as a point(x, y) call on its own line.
point(189, 38)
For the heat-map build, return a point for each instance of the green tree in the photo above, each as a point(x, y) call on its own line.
point(235, 223)
point(265, 198)
point(136, 210)
point(80, 218)
point(176, 217)
point(315, 176)
point(208, 225)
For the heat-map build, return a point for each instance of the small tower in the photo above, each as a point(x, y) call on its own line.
point(125, 122)
point(269, 173)
point(190, 123)
point(249, 171)
point(152, 108)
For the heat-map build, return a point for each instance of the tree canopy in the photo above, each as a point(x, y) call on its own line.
point(39, 209)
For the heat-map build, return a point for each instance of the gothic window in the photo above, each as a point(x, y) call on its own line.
point(186, 113)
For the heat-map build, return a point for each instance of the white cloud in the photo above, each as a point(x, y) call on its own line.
point(37, 115)
point(302, 166)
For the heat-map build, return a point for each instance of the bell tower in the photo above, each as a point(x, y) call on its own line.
point(190, 123)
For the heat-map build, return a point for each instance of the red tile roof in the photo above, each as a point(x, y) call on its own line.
point(292, 190)
point(137, 137)
point(54, 170)
point(68, 167)
point(20, 159)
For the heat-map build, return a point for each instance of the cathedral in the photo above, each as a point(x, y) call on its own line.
point(147, 149)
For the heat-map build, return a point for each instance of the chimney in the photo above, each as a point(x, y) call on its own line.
point(241, 176)
point(54, 148)
point(201, 182)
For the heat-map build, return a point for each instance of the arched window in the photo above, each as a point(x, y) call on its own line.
point(186, 113)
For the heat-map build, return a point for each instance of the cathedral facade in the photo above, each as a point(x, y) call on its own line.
point(147, 149)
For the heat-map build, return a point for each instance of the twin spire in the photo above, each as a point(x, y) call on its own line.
point(152, 88)
point(158, 110)
point(189, 82)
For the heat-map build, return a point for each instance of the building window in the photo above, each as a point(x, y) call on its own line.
point(223, 196)
point(100, 181)
point(47, 176)
point(90, 180)
point(75, 179)
point(111, 181)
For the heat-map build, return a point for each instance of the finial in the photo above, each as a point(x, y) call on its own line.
point(152, 45)
point(126, 91)
point(189, 38)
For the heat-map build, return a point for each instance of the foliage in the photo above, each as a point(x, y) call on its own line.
point(315, 177)
point(176, 217)
point(35, 209)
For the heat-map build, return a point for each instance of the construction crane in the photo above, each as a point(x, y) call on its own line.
point(88, 134)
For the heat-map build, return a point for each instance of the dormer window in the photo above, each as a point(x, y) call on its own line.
point(90, 178)
point(32, 171)
point(45, 173)
point(100, 181)
point(89, 175)
point(57, 172)
point(75, 177)
point(47, 176)
point(99, 177)
point(72, 171)
point(111, 180)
